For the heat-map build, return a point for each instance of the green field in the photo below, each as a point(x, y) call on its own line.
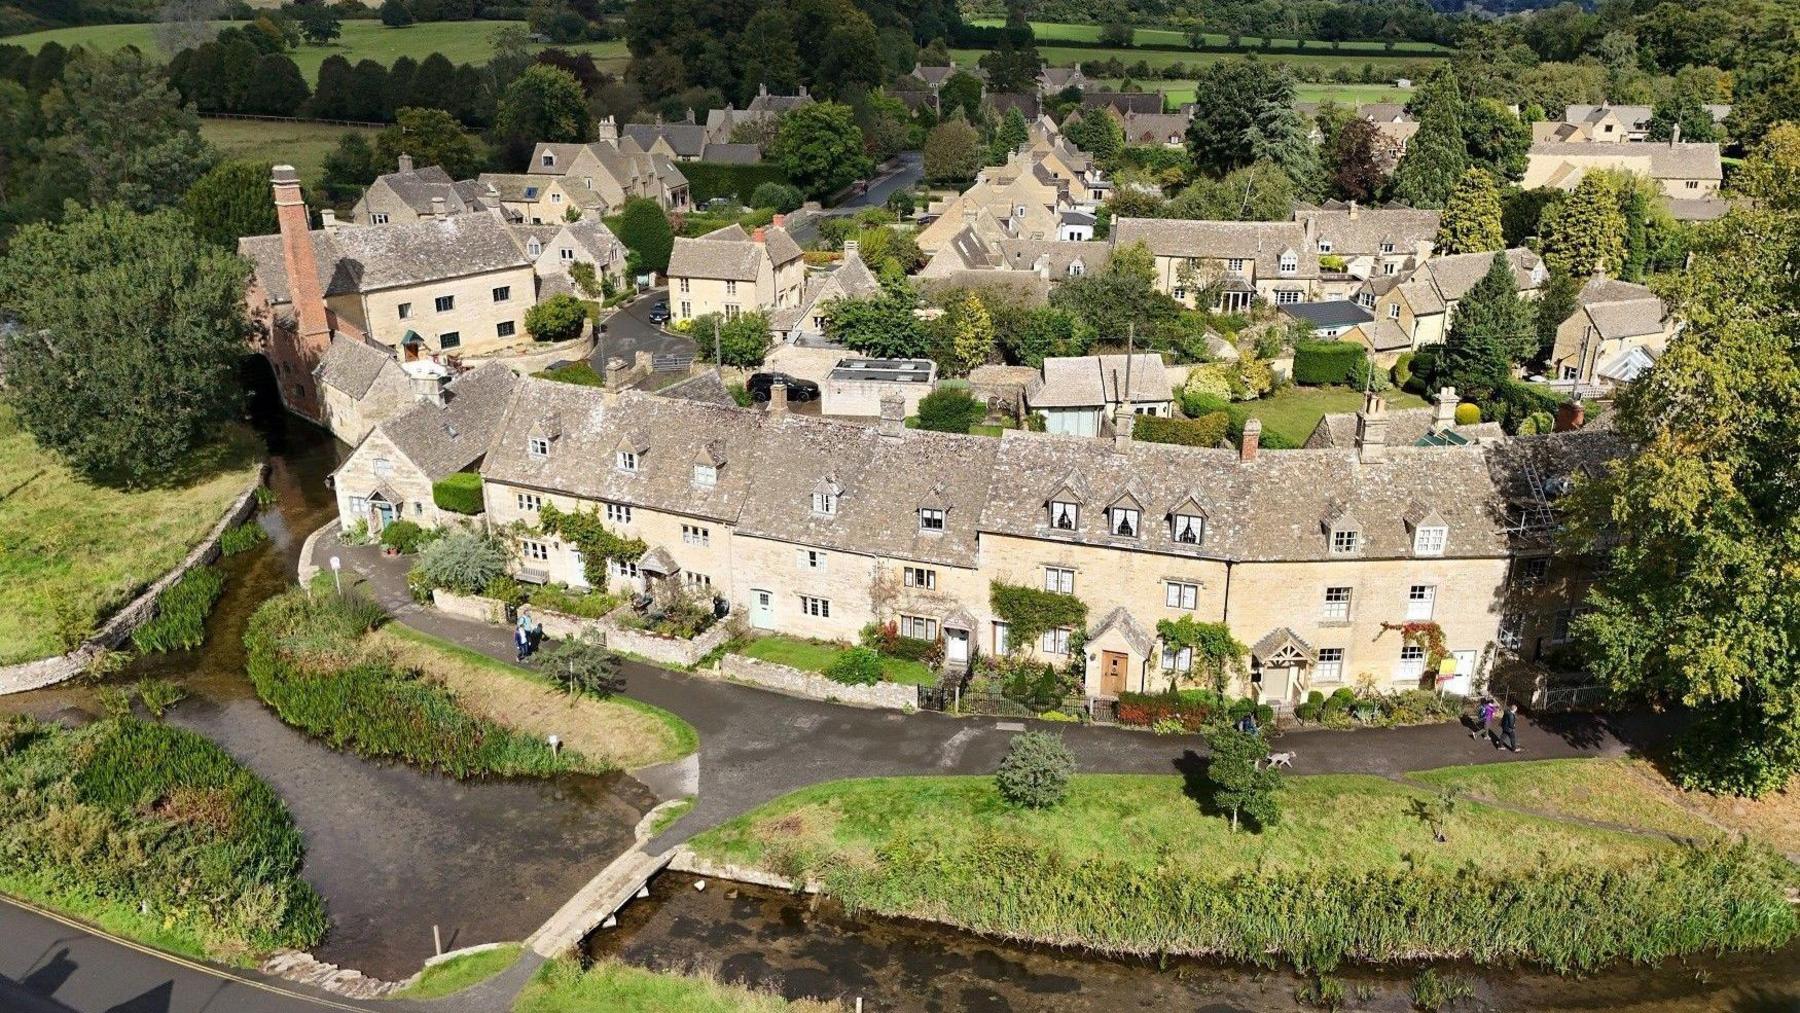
point(301, 145)
point(1064, 56)
point(1051, 31)
point(459, 41)
point(1176, 93)
point(1294, 412)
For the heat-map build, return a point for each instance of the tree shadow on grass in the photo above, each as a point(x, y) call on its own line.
point(1196, 785)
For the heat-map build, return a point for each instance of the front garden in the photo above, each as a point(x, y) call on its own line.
point(1356, 868)
point(846, 663)
point(153, 833)
point(72, 553)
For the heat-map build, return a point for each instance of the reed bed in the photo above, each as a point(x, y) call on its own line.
point(181, 611)
point(243, 538)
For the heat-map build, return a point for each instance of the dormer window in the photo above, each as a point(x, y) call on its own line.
point(1235, 265)
point(534, 247)
point(1123, 522)
point(1430, 541)
point(1188, 529)
point(1065, 516)
point(1387, 247)
point(1324, 246)
point(538, 447)
point(548, 160)
point(706, 475)
point(824, 503)
point(1343, 542)
point(931, 519)
point(627, 461)
point(1289, 263)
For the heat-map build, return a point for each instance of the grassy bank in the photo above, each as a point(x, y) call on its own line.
point(152, 833)
point(611, 987)
point(458, 973)
point(310, 658)
point(618, 732)
point(302, 145)
point(459, 41)
point(1139, 864)
point(817, 656)
point(72, 553)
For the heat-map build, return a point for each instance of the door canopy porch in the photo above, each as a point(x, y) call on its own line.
point(1282, 648)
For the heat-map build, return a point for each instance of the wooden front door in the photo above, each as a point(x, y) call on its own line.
point(1113, 667)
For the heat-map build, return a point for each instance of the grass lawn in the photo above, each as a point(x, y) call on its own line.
point(611, 987)
point(1054, 31)
point(816, 656)
point(616, 732)
point(71, 553)
point(1295, 411)
point(302, 145)
point(459, 41)
point(1176, 93)
point(1321, 58)
point(458, 973)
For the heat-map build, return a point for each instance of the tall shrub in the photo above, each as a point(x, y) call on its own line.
point(1035, 771)
point(1329, 362)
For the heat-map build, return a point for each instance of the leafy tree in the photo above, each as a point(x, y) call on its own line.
point(1682, 108)
point(1471, 218)
point(395, 14)
point(1697, 602)
point(118, 128)
point(582, 666)
point(463, 561)
point(1029, 336)
point(780, 196)
point(1491, 329)
point(1230, 97)
point(432, 85)
point(1015, 64)
point(1096, 133)
point(557, 318)
point(1436, 155)
point(545, 104)
point(883, 327)
point(1355, 172)
point(820, 148)
point(645, 231)
point(1240, 784)
point(1035, 772)
point(372, 92)
point(334, 98)
point(950, 410)
point(742, 340)
point(1770, 176)
point(767, 53)
point(318, 22)
point(1117, 34)
point(1262, 192)
point(431, 137)
point(1495, 139)
point(952, 151)
point(1585, 234)
point(971, 333)
point(1012, 133)
point(960, 91)
point(276, 87)
point(131, 330)
point(232, 201)
point(1121, 295)
point(349, 167)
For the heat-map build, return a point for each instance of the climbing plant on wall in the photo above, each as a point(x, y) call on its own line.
point(590, 537)
point(1028, 611)
point(1425, 634)
point(1217, 654)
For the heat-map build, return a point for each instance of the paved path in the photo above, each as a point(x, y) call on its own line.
point(903, 177)
point(629, 331)
point(756, 745)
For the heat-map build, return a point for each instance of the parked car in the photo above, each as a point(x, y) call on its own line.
point(659, 314)
point(797, 389)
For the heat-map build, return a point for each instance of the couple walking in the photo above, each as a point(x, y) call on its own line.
point(1509, 725)
point(527, 634)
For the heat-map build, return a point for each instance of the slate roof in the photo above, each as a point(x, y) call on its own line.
point(1634, 117)
point(1405, 427)
point(1621, 309)
point(445, 440)
point(1667, 161)
point(1029, 104)
point(687, 139)
point(707, 388)
point(1055, 254)
point(1026, 286)
point(351, 366)
point(416, 188)
point(1384, 112)
point(1327, 313)
point(1094, 380)
point(373, 257)
point(1360, 232)
point(1154, 128)
point(1261, 242)
point(1696, 209)
point(1123, 102)
point(730, 254)
point(726, 153)
point(1452, 276)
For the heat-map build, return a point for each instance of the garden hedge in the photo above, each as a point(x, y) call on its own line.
point(707, 180)
point(459, 493)
point(1205, 431)
point(1318, 363)
point(1146, 709)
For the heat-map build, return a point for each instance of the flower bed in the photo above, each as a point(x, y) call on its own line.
point(1148, 709)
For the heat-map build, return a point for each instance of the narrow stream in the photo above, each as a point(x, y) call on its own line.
point(394, 851)
point(805, 948)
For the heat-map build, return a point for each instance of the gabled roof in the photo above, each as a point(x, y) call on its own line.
point(1094, 380)
point(369, 258)
point(351, 366)
point(1620, 309)
point(1356, 232)
point(447, 439)
point(1665, 160)
point(1121, 620)
point(1261, 242)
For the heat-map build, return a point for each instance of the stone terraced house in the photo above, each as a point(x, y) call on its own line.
point(817, 527)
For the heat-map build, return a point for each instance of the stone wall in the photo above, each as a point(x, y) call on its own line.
point(29, 675)
point(643, 644)
point(812, 685)
point(664, 650)
point(469, 606)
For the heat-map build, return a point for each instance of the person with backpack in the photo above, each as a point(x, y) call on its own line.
point(1484, 719)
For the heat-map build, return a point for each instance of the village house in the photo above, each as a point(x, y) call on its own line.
point(1236, 263)
point(361, 383)
point(1166, 129)
point(1083, 395)
point(1608, 124)
point(807, 319)
point(758, 116)
point(538, 200)
point(856, 386)
point(1394, 128)
point(975, 249)
point(1356, 243)
point(729, 271)
point(615, 168)
point(1052, 80)
point(410, 194)
point(1414, 309)
point(1682, 171)
point(692, 142)
point(555, 249)
point(1617, 331)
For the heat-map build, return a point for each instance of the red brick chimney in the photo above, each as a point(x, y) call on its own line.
point(1252, 440)
point(312, 325)
point(779, 221)
point(759, 235)
point(1570, 416)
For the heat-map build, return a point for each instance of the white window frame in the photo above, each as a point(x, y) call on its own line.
point(1188, 522)
point(1511, 635)
point(383, 467)
point(824, 503)
point(694, 534)
point(1531, 571)
point(810, 559)
point(623, 568)
point(696, 581)
point(1287, 297)
point(1412, 663)
point(1002, 637)
point(1059, 508)
point(706, 475)
point(1430, 541)
point(1059, 579)
point(1288, 263)
point(1235, 264)
point(1344, 542)
point(920, 577)
point(404, 310)
point(1054, 641)
point(502, 293)
point(530, 502)
point(1337, 604)
point(931, 520)
point(1421, 602)
point(538, 447)
point(378, 218)
point(537, 552)
point(919, 627)
point(1330, 667)
point(444, 303)
point(626, 460)
point(1179, 594)
point(818, 608)
point(618, 513)
point(1133, 518)
point(1177, 659)
point(506, 328)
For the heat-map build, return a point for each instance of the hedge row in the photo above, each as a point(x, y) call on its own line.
point(1206, 431)
point(1146, 709)
point(1319, 363)
point(707, 180)
point(459, 493)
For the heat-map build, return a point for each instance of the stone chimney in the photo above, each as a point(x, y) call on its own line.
point(428, 387)
point(762, 90)
point(1252, 441)
point(312, 324)
point(1674, 135)
point(609, 130)
point(970, 211)
point(1309, 229)
point(1123, 419)
point(760, 235)
point(1570, 416)
point(690, 114)
point(1444, 415)
point(406, 163)
point(852, 250)
point(1371, 428)
point(778, 398)
point(328, 221)
point(893, 415)
point(1353, 211)
point(439, 209)
point(779, 221)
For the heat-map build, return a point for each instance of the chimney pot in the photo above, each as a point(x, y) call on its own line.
point(1443, 416)
point(778, 402)
point(759, 236)
point(1122, 423)
point(307, 295)
point(1251, 442)
point(779, 221)
point(1371, 428)
point(1570, 416)
point(893, 415)
point(406, 163)
point(439, 209)
point(1674, 135)
point(328, 220)
point(1353, 210)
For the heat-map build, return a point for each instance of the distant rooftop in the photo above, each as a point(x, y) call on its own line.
point(885, 370)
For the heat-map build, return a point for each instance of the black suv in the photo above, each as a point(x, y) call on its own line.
point(659, 314)
point(797, 389)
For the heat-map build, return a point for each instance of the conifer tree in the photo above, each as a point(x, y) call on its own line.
point(1585, 234)
point(1491, 329)
point(1471, 219)
point(1436, 156)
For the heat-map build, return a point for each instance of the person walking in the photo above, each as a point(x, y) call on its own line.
point(522, 640)
point(1484, 719)
point(1509, 729)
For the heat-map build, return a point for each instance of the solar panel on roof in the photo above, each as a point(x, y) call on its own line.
point(1444, 438)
